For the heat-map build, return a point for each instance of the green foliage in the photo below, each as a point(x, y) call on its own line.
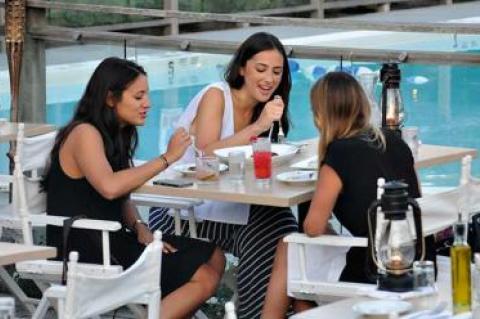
point(69, 18)
point(222, 6)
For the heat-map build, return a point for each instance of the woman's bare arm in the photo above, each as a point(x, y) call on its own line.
point(208, 122)
point(327, 190)
point(84, 149)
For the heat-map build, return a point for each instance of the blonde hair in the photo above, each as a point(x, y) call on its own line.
point(341, 110)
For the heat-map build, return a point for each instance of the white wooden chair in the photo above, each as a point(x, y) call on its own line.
point(89, 295)
point(315, 263)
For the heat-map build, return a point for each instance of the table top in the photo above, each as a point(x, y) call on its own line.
point(11, 252)
point(344, 308)
point(8, 130)
point(281, 194)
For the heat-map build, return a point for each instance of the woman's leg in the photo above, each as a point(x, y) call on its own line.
point(185, 300)
point(256, 245)
point(276, 300)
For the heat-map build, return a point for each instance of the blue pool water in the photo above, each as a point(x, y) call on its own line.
point(441, 100)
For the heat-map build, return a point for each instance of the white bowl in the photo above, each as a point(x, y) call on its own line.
point(189, 169)
point(285, 152)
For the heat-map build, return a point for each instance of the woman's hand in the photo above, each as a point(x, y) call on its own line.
point(167, 248)
point(272, 111)
point(144, 235)
point(177, 145)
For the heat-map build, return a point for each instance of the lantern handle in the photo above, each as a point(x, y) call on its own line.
point(371, 219)
point(417, 219)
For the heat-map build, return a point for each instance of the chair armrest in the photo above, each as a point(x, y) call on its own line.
point(93, 224)
point(105, 226)
point(164, 201)
point(326, 240)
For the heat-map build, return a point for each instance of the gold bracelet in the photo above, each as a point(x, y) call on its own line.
point(164, 159)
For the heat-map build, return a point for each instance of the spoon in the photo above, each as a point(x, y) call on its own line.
point(197, 151)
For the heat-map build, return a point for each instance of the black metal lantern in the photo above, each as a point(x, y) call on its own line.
point(391, 102)
point(394, 248)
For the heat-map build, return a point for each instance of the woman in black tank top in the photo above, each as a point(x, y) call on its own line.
point(91, 174)
point(353, 155)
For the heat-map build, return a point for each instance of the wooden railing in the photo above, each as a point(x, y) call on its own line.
point(39, 32)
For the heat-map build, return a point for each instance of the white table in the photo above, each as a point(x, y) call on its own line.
point(11, 253)
point(8, 130)
point(281, 194)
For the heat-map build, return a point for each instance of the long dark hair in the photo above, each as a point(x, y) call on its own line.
point(112, 76)
point(254, 44)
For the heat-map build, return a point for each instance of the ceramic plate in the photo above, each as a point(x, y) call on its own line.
point(188, 169)
point(296, 177)
point(281, 153)
point(381, 307)
point(310, 163)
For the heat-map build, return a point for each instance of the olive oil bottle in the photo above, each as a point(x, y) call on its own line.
point(460, 256)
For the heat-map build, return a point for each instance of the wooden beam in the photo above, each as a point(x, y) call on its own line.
point(228, 47)
point(344, 24)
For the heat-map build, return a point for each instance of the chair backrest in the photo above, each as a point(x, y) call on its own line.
point(90, 295)
point(32, 154)
point(314, 264)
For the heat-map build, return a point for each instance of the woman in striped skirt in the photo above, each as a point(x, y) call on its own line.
point(227, 114)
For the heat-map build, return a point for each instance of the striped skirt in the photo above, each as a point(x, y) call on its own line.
point(254, 244)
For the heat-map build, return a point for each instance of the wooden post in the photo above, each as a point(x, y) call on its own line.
point(319, 10)
point(32, 100)
point(2, 23)
point(172, 5)
point(447, 2)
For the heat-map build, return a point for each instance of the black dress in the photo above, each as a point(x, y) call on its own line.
point(71, 197)
point(359, 162)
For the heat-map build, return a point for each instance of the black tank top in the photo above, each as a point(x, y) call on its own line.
point(70, 197)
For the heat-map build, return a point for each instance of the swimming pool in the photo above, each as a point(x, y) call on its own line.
point(440, 100)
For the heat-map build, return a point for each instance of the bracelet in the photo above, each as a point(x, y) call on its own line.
point(164, 159)
point(138, 221)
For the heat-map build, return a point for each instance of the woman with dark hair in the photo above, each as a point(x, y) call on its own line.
point(91, 174)
point(228, 114)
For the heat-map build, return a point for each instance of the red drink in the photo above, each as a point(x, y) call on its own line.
point(262, 162)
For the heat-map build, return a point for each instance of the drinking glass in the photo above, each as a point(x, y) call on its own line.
point(207, 169)
point(262, 160)
point(424, 274)
point(410, 136)
point(236, 165)
point(7, 308)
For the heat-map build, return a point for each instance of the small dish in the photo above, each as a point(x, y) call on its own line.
point(188, 169)
point(310, 163)
point(281, 153)
point(381, 307)
point(296, 177)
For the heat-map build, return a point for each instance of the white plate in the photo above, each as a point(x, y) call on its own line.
point(188, 169)
point(284, 152)
point(310, 163)
point(381, 307)
point(295, 177)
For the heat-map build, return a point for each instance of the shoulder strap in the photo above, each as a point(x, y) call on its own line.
point(67, 226)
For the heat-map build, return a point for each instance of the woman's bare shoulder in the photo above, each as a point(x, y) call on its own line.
point(214, 96)
point(85, 133)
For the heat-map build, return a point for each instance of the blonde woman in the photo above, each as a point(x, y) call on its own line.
point(353, 155)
